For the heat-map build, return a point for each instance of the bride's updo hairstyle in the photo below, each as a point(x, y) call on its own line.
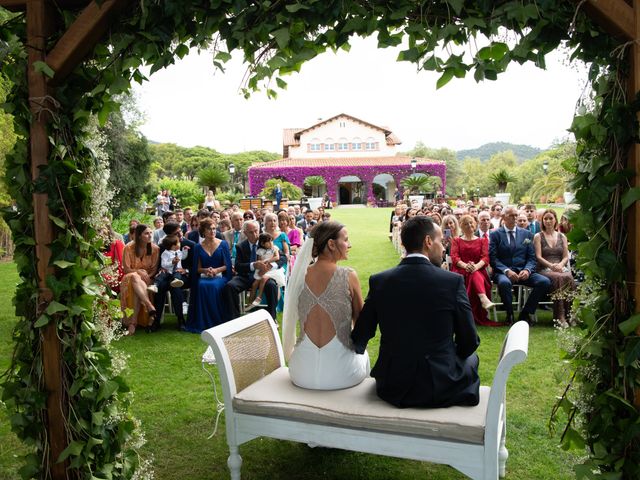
point(321, 234)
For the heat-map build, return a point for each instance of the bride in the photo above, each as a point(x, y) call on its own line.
point(326, 300)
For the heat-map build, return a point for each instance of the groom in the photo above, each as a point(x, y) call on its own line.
point(428, 337)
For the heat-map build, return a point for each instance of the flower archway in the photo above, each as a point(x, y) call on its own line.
point(61, 380)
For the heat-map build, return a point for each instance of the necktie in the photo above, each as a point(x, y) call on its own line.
point(236, 235)
point(512, 241)
point(253, 257)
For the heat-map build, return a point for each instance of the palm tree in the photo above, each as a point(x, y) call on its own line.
point(213, 178)
point(315, 182)
point(551, 186)
point(501, 178)
point(416, 183)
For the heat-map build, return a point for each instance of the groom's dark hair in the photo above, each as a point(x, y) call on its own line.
point(414, 231)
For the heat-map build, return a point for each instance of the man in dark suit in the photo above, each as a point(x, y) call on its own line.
point(513, 261)
point(245, 265)
point(428, 336)
point(534, 225)
point(307, 223)
point(235, 236)
point(177, 293)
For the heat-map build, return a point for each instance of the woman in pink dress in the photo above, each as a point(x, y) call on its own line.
point(470, 258)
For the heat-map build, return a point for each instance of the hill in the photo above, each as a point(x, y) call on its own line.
point(484, 152)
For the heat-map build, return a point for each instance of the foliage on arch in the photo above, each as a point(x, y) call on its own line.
point(453, 37)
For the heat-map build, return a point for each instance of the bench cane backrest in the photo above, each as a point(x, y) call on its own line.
point(253, 353)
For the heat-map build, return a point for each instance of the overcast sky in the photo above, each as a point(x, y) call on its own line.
point(192, 104)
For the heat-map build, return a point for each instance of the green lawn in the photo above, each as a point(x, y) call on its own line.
point(174, 398)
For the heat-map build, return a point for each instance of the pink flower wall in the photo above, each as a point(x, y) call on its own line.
point(296, 175)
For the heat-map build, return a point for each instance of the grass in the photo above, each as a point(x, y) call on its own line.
point(174, 398)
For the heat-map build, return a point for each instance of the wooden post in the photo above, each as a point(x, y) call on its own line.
point(38, 16)
point(633, 241)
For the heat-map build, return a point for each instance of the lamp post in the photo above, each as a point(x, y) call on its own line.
point(232, 171)
point(545, 167)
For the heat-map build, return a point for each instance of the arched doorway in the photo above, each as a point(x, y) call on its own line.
point(384, 187)
point(351, 190)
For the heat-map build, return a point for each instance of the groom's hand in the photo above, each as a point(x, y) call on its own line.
point(511, 275)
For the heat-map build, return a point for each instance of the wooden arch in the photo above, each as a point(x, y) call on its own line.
point(620, 18)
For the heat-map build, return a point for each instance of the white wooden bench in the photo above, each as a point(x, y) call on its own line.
point(261, 401)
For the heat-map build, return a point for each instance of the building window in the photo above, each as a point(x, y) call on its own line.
point(316, 147)
point(371, 146)
point(356, 146)
point(329, 147)
point(343, 145)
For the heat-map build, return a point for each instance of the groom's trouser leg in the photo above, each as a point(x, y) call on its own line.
point(540, 286)
point(505, 290)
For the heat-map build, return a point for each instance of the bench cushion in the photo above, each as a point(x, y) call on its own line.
point(360, 407)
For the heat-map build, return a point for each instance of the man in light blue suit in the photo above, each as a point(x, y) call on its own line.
point(513, 261)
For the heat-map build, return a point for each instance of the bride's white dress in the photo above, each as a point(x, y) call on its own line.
point(334, 365)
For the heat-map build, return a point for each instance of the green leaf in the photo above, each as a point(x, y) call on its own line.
point(456, 5)
point(107, 389)
point(55, 307)
point(42, 321)
point(58, 221)
point(63, 263)
point(42, 67)
point(282, 37)
point(281, 83)
point(182, 50)
point(444, 79)
point(630, 325)
point(630, 197)
point(632, 352)
point(296, 7)
point(74, 448)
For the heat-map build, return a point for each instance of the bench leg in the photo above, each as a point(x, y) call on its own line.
point(503, 453)
point(234, 462)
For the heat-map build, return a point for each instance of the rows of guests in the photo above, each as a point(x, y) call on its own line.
point(216, 254)
point(509, 246)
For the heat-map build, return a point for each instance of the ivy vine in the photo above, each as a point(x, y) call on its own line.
point(452, 37)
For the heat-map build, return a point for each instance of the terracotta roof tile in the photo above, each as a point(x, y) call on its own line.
point(345, 162)
point(289, 136)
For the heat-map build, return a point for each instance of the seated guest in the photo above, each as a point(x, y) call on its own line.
point(181, 220)
point(194, 235)
point(565, 226)
point(170, 264)
point(187, 220)
point(428, 339)
point(513, 262)
point(552, 253)
point(133, 223)
point(224, 226)
point(325, 300)
point(484, 225)
point(292, 233)
point(246, 263)
point(450, 230)
point(248, 215)
point(307, 223)
point(210, 273)
point(193, 224)
point(470, 258)
point(522, 221)
point(113, 249)
point(496, 215)
point(235, 235)
point(164, 286)
point(159, 234)
point(140, 264)
point(530, 212)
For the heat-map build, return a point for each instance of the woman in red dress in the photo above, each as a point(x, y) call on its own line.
point(470, 258)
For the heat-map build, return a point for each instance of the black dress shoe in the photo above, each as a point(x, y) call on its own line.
point(509, 319)
point(530, 318)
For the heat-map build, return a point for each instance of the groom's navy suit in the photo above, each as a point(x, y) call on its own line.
point(521, 256)
point(428, 336)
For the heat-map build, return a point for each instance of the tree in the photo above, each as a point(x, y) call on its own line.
point(315, 182)
point(213, 178)
point(289, 190)
point(454, 168)
point(501, 178)
point(416, 183)
point(129, 161)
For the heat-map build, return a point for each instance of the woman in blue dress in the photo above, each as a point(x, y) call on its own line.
point(210, 273)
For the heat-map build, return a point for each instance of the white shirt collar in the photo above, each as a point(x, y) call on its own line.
point(418, 255)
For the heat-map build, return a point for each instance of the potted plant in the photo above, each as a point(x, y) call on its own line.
point(501, 178)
